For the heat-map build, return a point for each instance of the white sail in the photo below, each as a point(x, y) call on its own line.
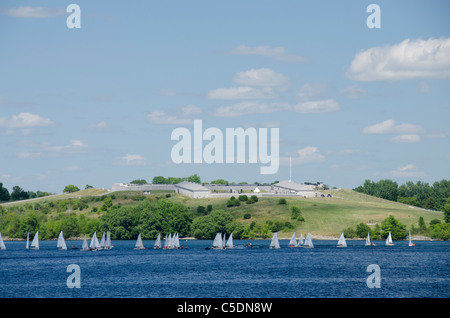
point(301, 239)
point(217, 243)
point(175, 241)
point(85, 246)
point(308, 241)
point(103, 241)
point(389, 240)
point(95, 245)
point(368, 242)
point(274, 242)
point(158, 241)
point(108, 244)
point(168, 242)
point(139, 244)
point(35, 242)
point(230, 243)
point(342, 242)
point(410, 242)
point(28, 241)
point(2, 244)
point(223, 241)
point(61, 245)
point(293, 241)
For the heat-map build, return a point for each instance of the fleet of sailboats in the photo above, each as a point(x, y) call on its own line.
point(172, 242)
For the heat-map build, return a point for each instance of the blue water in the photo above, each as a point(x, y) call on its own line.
point(325, 271)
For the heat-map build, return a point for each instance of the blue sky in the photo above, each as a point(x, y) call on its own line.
point(97, 105)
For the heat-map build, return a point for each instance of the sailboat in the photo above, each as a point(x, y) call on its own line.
point(61, 245)
point(95, 245)
point(300, 240)
point(85, 246)
point(389, 240)
point(35, 243)
point(158, 241)
point(168, 243)
point(410, 242)
point(308, 242)
point(176, 241)
point(230, 242)
point(28, 241)
point(139, 244)
point(108, 244)
point(2, 244)
point(368, 242)
point(342, 242)
point(293, 241)
point(217, 243)
point(274, 244)
point(223, 241)
point(102, 241)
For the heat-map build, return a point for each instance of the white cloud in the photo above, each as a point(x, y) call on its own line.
point(319, 106)
point(304, 156)
point(389, 127)
point(410, 59)
point(262, 77)
point(180, 117)
point(101, 126)
point(242, 92)
point(353, 92)
point(45, 150)
point(32, 12)
point(277, 53)
point(24, 120)
point(309, 91)
point(406, 138)
point(133, 160)
point(407, 171)
point(166, 92)
point(246, 108)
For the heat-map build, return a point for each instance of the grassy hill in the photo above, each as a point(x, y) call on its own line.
point(323, 216)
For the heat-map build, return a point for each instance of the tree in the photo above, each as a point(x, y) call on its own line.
point(71, 188)
point(447, 211)
point(88, 186)
point(4, 193)
point(397, 229)
point(194, 178)
point(159, 180)
point(219, 181)
point(139, 181)
point(362, 230)
point(19, 194)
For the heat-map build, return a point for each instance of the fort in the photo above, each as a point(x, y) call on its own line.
point(195, 190)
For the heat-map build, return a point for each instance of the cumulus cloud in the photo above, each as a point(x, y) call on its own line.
point(132, 160)
point(407, 171)
point(409, 59)
point(46, 150)
point(262, 77)
point(179, 117)
point(390, 127)
point(319, 106)
point(32, 12)
point(312, 91)
point(246, 108)
point(277, 53)
point(242, 92)
point(24, 122)
point(304, 156)
point(406, 138)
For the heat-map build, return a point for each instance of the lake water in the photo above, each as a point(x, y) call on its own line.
point(325, 271)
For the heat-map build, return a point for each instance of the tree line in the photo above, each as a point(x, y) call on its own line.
point(420, 194)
